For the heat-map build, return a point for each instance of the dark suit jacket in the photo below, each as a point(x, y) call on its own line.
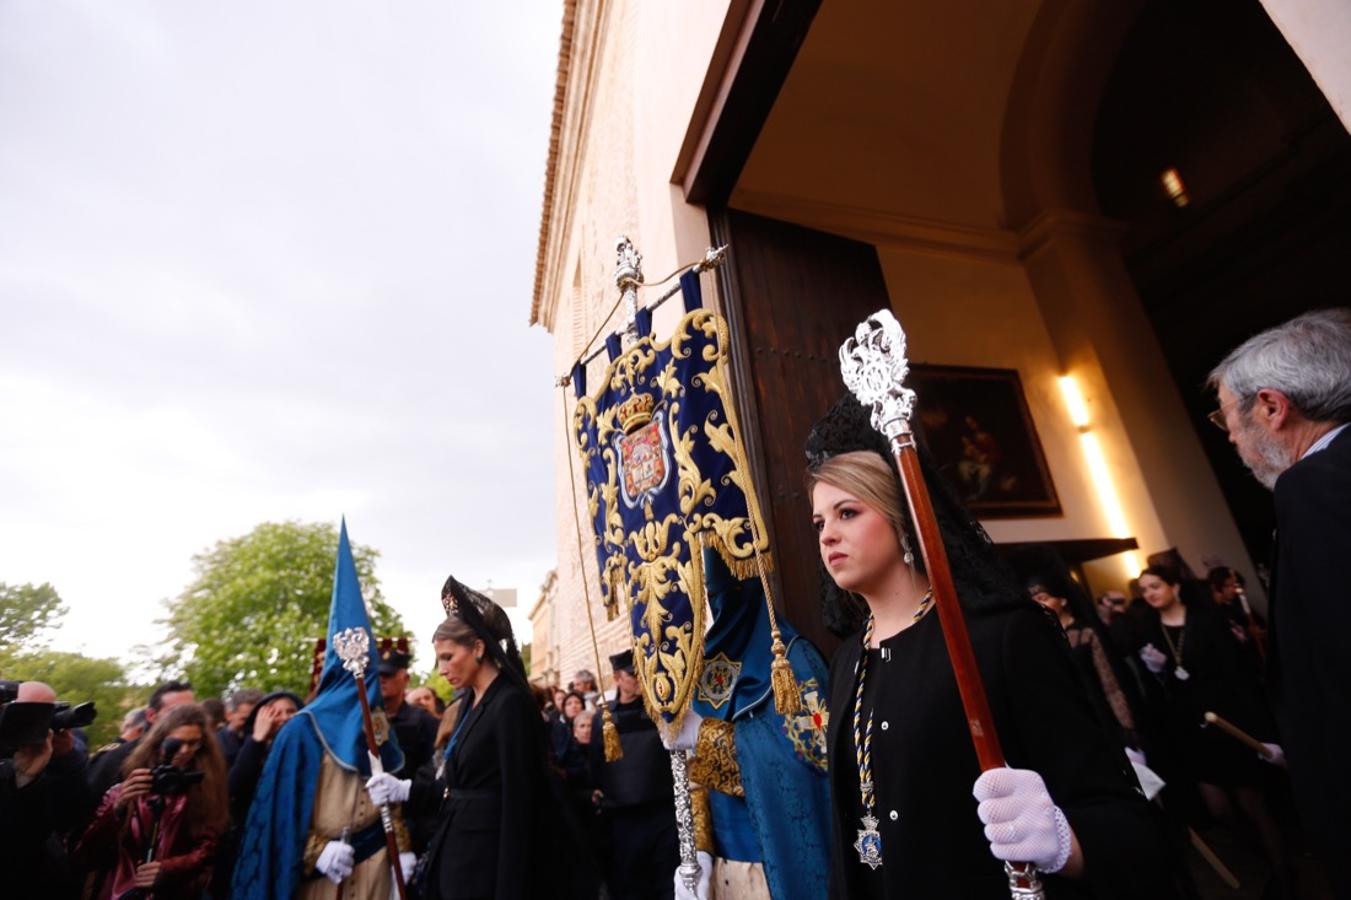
point(933, 843)
point(490, 833)
point(1310, 670)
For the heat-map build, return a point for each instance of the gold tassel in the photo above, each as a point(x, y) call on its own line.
point(787, 700)
point(613, 749)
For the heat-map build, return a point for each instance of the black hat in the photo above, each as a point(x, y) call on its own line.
point(394, 655)
point(622, 662)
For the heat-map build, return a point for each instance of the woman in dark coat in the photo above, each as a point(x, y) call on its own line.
point(913, 814)
point(495, 808)
point(269, 714)
point(1200, 666)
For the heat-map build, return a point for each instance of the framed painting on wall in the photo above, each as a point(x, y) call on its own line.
point(977, 426)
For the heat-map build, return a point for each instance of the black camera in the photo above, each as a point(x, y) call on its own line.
point(24, 724)
point(167, 779)
point(80, 716)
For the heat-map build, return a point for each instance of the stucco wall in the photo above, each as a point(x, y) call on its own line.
point(635, 75)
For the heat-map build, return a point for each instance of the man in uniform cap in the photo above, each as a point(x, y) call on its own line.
point(415, 728)
point(636, 793)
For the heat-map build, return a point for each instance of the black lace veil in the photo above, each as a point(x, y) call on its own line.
point(472, 608)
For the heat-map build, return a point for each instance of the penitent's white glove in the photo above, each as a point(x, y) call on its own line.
point(1155, 660)
point(688, 735)
point(385, 788)
point(1022, 822)
point(336, 861)
point(1274, 755)
point(407, 863)
point(700, 891)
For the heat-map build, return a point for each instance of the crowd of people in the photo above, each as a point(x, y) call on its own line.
point(1126, 724)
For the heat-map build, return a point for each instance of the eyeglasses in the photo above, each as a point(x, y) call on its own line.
point(1216, 416)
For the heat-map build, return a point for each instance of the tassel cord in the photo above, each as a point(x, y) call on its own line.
point(610, 734)
point(787, 697)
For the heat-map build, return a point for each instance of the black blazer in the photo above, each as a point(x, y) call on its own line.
point(490, 834)
point(1310, 668)
point(925, 765)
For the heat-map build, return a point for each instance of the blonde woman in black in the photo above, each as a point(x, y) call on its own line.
point(913, 816)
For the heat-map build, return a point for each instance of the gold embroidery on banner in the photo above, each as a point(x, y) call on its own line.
point(669, 658)
point(714, 762)
point(692, 487)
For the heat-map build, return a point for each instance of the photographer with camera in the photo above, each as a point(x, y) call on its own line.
point(43, 795)
point(157, 829)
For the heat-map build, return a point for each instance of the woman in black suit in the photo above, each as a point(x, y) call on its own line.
point(912, 813)
point(490, 791)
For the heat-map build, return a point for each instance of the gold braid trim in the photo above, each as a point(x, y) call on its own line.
point(703, 818)
point(714, 762)
point(313, 847)
point(402, 839)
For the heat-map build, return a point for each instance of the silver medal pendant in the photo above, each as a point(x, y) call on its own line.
point(1181, 674)
point(869, 843)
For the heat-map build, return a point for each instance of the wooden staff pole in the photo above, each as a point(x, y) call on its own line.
point(1238, 734)
point(874, 367)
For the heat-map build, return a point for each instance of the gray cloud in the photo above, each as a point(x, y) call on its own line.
point(264, 261)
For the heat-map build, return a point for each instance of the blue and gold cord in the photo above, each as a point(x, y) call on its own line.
point(863, 735)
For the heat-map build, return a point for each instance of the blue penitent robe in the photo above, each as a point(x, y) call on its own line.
point(783, 822)
point(270, 863)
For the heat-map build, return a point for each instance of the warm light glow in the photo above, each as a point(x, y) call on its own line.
point(1172, 183)
point(1098, 471)
point(1069, 389)
point(1102, 480)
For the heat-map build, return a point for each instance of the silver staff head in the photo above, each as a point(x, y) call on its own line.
point(874, 367)
point(353, 646)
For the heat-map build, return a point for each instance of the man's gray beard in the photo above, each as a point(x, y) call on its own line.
point(1272, 458)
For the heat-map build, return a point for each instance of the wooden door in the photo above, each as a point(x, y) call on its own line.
point(791, 296)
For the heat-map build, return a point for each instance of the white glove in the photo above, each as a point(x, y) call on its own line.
point(1154, 659)
point(1274, 755)
point(407, 863)
point(385, 788)
point(1150, 782)
point(700, 891)
point(1022, 823)
point(688, 735)
point(336, 861)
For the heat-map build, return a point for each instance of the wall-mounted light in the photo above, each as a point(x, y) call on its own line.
point(1098, 471)
point(1172, 183)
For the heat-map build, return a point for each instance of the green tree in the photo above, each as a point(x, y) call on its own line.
point(77, 679)
point(436, 681)
point(257, 604)
point(26, 611)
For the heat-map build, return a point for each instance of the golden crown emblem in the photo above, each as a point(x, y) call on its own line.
point(635, 412)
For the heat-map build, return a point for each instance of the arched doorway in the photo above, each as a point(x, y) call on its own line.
point(1207, 100)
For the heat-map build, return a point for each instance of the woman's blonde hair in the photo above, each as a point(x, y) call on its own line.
point(867, 477)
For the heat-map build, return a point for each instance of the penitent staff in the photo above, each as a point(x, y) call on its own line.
point(353, 648)
point(874, 367)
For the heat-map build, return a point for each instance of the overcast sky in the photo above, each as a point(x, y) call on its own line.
point(265, 261)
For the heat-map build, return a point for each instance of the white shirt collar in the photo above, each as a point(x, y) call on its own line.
point(1322, 443)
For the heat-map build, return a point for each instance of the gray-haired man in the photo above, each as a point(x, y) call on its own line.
point(1285, 399)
